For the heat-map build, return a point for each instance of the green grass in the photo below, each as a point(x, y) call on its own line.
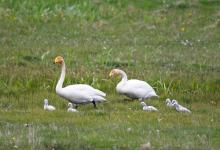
point(173, 45)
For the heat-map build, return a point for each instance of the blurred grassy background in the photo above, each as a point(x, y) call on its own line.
point(173, 45)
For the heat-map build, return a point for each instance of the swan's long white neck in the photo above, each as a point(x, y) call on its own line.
point(62, 77)
point(123, 75)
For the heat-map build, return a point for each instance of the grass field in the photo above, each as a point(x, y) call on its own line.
point(173, 45)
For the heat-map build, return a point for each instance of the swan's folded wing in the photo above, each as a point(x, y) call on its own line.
point(139, 84)
point(88, 89)
point(76, 96)
point(135, 92)
point(138, 88)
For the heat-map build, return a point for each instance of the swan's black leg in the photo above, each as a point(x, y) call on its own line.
point(141, 99)
point(94, 104)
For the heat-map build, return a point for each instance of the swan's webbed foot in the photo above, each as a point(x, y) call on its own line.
point(94, 104)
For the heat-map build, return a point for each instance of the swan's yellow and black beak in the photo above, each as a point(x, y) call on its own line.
point(111, 74)
point(58, 60)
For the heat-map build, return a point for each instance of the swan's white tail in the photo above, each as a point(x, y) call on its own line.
point(100, 93)
point(152, 94)
point(99, 99)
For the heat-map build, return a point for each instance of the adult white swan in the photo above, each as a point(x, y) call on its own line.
point(135, 89)
point(77, 93)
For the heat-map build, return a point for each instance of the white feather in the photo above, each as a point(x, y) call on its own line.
point(148, 108)
point(180, 108)
point(169, 103)
point(47, 106)
point(70, 108)
point(136, 89)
